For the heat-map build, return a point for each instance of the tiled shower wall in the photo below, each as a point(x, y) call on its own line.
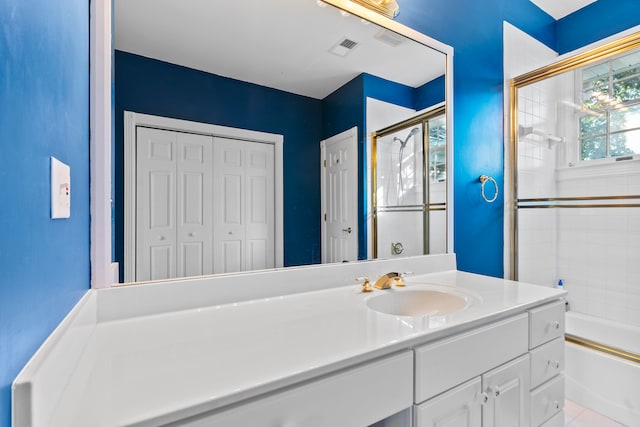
point(595, 251)
point(599, 248)
point(537, 229)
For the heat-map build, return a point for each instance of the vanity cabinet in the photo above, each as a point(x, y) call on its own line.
point(505, 374)
point(352, 397)
point(496, 355)
point(499, 398)
point(546, 344)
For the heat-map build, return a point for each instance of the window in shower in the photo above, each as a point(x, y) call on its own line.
point(409, 187)
point(609, 117)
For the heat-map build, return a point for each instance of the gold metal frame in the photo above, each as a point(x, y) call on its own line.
point(426, 207)
point(605, 51)
point(387, 8)
point(613, 351)
point(573, 202)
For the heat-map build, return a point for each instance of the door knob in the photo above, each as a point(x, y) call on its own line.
point(348, 230)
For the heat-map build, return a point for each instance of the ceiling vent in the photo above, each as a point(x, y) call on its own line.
point(389, 37)
point(343, 47)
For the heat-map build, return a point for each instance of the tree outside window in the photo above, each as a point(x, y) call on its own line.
point(609, 123)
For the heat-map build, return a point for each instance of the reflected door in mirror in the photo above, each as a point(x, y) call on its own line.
point(174, 222)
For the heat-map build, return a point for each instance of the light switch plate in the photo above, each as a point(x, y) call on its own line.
point(60, 189)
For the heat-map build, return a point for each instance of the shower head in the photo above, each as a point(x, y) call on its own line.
point(413, 132)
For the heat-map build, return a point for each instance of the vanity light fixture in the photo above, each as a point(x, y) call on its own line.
point(388, 8)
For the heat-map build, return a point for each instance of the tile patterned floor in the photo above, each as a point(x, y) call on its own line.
point(579, 416)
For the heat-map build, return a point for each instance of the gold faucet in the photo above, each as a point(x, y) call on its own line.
point(386, 280)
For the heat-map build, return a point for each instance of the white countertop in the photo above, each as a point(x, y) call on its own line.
point(143, 370)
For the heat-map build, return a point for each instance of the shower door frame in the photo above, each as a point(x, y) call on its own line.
point(603, 52)
point(608, 50)
point(426, 205)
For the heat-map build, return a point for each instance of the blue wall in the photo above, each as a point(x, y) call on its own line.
point(154, 87)
point(595, 22)
point(429, 94)
point(474, 30)
point(44, 111)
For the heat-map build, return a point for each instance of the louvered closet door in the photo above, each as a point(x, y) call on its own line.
point(244, 191)
point(174, 223)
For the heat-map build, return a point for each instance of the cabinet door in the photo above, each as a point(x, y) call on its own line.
point(460, 407)
point(508, 390)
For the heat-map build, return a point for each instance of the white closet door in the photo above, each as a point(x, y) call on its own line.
point(195, 205)
point(244, 191)
point(155, 204)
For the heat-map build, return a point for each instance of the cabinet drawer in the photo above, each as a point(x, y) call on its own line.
point(355, 397)
point(547, 400)
point(546, 323)
point(556, 421)
point(547, 361)
point(452, 361)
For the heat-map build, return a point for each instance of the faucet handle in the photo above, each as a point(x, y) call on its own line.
point(366, 284)
point(399, 279)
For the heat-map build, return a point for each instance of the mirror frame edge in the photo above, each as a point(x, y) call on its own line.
point(103, 270)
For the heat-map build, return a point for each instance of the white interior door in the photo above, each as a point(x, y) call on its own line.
point(244, 218)
point(339, 197)
point(174, 223)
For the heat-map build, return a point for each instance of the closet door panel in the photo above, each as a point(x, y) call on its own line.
point(260, 206)
point(229, 207)
point(195, 204)
point(155, 204)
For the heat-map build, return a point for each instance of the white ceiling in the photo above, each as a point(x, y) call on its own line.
point(561, 8)
point(282, 44)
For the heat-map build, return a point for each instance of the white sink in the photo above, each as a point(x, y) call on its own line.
point(418, 302)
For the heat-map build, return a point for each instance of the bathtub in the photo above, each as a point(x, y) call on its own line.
point(605, 383)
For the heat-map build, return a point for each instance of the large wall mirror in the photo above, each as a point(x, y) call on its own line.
point(243, 130)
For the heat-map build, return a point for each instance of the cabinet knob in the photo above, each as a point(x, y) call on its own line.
point(192, 234)
point(555, 325)
point(556, 404)
point(496, 391)
point(555, 364)
point(160, 237)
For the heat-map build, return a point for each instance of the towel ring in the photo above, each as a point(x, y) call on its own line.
point(483, 180)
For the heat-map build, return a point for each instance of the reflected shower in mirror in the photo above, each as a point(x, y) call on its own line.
point(409, 187)
point(257, 82)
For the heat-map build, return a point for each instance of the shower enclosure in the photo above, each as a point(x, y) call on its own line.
point(409, 187)
point(575, 186)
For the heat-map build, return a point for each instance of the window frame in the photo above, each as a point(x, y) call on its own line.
point(607, 110)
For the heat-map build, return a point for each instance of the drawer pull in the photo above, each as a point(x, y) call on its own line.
point(554, 364)
point(555, 325)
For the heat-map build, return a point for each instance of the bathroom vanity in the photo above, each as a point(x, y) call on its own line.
point(302, 347)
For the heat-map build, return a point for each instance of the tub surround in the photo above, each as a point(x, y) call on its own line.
point(600, 381)
point(158, 353)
